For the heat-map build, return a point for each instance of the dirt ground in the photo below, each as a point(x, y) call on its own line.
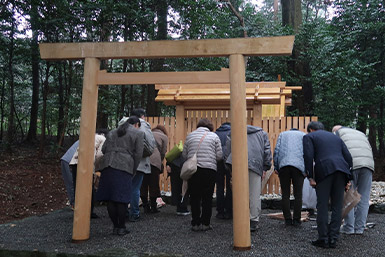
point(30, 185)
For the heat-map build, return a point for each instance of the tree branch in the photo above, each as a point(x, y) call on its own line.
point(238, 15)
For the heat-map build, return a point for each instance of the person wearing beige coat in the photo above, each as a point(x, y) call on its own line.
point(99, 141)
point(150, 184)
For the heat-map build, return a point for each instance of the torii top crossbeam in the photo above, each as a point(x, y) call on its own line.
point(263, 46)
point(236, 49)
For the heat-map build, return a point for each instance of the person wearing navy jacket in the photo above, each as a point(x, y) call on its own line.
point(224, 200)
point(329, 175)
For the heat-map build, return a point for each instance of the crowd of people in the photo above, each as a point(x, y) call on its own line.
point(130, 159)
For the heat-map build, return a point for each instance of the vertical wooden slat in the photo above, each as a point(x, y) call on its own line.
point(283, 124)
point(301, 122)
point(257, 115)
point(180, 123)
point(307, 121)
point(194, 120)
point(249, 117)
point(289, 123)
point(265, 125)
point(271, 132)
point(219, 119)
point(295, 122)
point(282, 107)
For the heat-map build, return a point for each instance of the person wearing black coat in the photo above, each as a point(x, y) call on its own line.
point(224, 200)
point(329, 175)
point(173, 169)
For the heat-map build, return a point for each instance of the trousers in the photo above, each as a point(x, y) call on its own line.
point(355, 221)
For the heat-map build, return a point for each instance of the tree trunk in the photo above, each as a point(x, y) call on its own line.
point(239, 17)
point(44, 111)
point(35, 73)
point(157, 64)
point(127, 35)
point(291, 13)
point(292, 16)
point(275, 7)
point(372, 130)
point(60, 125)
point(10, 131)
point(142, 88)
point(102, 114)
point(361, 119)
point(2, 106)
point(381, 149)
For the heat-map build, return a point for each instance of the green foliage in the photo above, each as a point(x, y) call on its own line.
point(347, 62)
point(344, 56)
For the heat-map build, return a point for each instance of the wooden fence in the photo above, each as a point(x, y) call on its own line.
point(273, 126)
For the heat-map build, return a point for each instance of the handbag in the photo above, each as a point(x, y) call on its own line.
point(175, 152)
point(148, 144)
point(190, 165)
point(351, 199)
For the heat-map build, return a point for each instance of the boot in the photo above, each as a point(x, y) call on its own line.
point(154, 205)
point(146, 205)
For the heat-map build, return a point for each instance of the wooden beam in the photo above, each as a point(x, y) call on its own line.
point(241, 215)
point(81, 225)
point(144, 78)
point(254, 85)
point(263, 46)
point(294, 87)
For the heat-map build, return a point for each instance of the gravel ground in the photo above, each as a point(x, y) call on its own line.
point(165, 234)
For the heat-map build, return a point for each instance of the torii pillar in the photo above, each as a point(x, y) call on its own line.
point(240, 185)
point(235, 48)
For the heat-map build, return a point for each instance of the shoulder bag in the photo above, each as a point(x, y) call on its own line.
point(190, 165)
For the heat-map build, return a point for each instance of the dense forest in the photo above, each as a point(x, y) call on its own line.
point(338, 59)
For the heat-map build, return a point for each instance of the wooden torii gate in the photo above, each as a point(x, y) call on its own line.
point(236, 49)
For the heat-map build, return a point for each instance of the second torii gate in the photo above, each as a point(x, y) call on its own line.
point(92, 53)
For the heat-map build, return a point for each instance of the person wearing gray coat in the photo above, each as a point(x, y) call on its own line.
point(259, 161)
point(122, 152)
point(362, 172)
point(144, 165)
point(290, 166)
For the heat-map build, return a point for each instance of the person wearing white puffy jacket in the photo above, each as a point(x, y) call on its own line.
point(201, 184)
point(363, 167)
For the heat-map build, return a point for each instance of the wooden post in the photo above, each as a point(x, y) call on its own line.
point(257, 114)
point(241, 215)
point(282, 107)
point(81, 225)
point(180, 133)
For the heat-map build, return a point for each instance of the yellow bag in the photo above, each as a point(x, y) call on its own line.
point(174, 152)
